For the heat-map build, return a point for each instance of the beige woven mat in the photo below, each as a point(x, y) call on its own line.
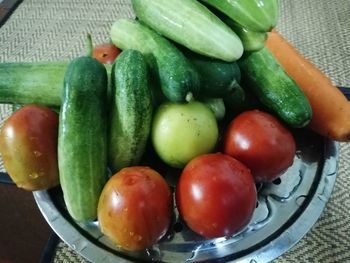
point(41, 30)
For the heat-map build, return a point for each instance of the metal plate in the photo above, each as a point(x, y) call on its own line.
point(286, 211)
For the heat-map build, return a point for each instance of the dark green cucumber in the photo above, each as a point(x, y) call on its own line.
point(131, 111)
point(275, 89)
point(33, 82)
point(239, 100)
point(82, 140)
point(217, 77)
point(174, 72)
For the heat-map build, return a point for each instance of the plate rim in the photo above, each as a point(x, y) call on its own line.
point(75, 239)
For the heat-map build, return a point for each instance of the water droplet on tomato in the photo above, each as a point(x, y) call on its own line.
point(33, 175)
point(37, 153)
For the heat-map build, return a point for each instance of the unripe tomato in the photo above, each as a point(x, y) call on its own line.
point(182, 131)
point(135, 208)
point(261, 142)
point(28, 146)
point(216, 195)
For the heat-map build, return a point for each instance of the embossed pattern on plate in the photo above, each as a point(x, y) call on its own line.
point(285, 212)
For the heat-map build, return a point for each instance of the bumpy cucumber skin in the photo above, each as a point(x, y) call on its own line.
point(192, 25)
point(168, 65)
point(275, 89)
point(131, 111)
point(82, 140)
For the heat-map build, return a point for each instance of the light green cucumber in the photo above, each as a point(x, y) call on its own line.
point(38, 83)
point(34, 82)
point(192, 25)
point(251, 40)
point(255, 15)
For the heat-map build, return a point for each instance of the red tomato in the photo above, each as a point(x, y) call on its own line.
point(262, 143)
point(216, 195)
point(135, 208)
point(28, 145)
point(106, 53)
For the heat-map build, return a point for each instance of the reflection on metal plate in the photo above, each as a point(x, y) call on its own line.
point(287, 208)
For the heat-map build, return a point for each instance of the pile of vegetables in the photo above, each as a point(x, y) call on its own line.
point(204, 87)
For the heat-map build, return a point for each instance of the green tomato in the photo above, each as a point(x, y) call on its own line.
point(181, 132)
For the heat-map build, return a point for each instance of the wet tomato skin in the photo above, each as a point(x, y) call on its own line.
point(135, 208)
point(28, 146)
point(262, 143)
point(216, 195)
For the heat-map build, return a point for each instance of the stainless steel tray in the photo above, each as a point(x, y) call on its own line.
point(286, 211)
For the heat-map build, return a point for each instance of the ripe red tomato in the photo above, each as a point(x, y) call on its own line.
point(28, 145)
point(106, 53)
point(262, 143)
point(135, 208)
point(216, 195)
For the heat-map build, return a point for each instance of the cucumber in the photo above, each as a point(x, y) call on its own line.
point(275, 89)
point(271, 7)
point(217, 106)
point(38, 83)
point(82, 137)
point(239, 100)
point(168, 65)
point(251, 40)
point(259, 16)
point(131, 113)
point(34, 82)
point(192, 25)
point(217, 77)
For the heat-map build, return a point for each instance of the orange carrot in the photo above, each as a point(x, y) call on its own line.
point(331, 110)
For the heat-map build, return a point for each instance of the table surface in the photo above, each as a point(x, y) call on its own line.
point(43, 30)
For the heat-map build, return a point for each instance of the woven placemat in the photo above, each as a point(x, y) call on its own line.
point(6, 8)
point(44, 30)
